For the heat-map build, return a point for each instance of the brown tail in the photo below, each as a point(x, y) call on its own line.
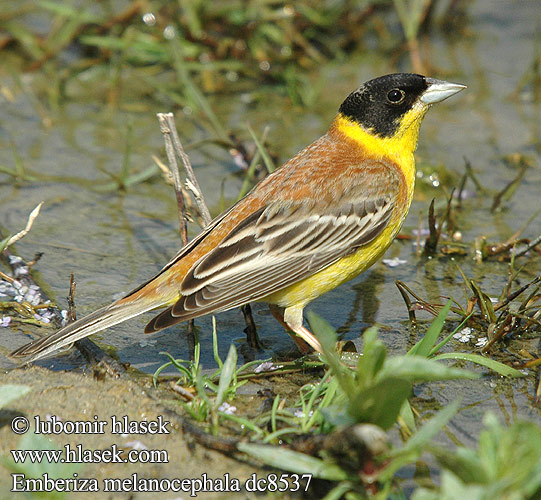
point(93, 323)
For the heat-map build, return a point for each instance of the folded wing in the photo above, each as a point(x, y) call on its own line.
point(281, 244)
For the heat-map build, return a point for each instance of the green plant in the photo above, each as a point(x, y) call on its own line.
point(11, 392)
point(373, 390)
point(368, 389)
point(427, 347)
point(212, 391)
point(353, 479)
point(505, 466)
point(377, 388)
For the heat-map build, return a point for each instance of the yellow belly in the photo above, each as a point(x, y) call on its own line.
point(400, 148)
point(347, 268)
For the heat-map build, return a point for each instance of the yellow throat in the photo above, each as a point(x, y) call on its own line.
point(399, 147)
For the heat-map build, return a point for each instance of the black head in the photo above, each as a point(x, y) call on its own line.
point(380, 104)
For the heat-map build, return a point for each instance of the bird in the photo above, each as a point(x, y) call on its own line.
point(322, 218)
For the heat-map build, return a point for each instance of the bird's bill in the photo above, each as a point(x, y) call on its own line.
point(439, 90)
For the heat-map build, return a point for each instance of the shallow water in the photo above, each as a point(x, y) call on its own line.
point(113, 241)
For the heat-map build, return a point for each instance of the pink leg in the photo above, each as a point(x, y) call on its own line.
point(303, 338)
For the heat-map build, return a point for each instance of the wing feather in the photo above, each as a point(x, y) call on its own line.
point(280, 244)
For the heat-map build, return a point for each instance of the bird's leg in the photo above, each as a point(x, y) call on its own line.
point(291, 320)
point(251, 329)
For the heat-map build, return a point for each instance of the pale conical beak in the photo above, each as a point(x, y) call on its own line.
point(438, 90)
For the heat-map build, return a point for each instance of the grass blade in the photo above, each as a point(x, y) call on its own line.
point(431, 428)
point(420, 369)
point(261, 149)
point(228, 370)
point(498, 367)
point(327, 336)
point(424, 346)
point(293, 461)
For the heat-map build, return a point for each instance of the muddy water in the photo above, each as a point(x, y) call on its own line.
point(112, 241)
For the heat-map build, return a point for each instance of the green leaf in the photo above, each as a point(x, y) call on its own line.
point(406, 414)
point(25, 37)
point(431, 428)
point(380, 404)
point(200, 385)
point(215, 352)
point(498, 367)
point(424, 346)
point(373, 358)
point(327, 336)
point(262, 151)
point(485, 304)
point(338, 492)
point(337, 416)
point(507, 464)
point(243, 422)
point(421, 369)
point(452, 488)
point(424, 494)
point(10, 392)
point(228, 370)
point(446, 339)
point(325, 332)
point(178, 364)
point(511, 456)
point(294, 461)
point(4, 243)
point(464, 463)
point(71, 12)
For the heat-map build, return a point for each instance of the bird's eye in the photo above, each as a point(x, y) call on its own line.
point(396, 96)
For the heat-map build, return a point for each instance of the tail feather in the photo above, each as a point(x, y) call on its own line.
point(88, 325)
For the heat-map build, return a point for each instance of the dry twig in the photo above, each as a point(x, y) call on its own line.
point(174, 149)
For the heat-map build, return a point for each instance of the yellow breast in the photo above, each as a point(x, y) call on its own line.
point(345, 269)
point(399, 149)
